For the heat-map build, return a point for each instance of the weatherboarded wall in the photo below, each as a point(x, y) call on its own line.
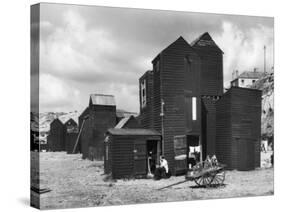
point(71, 133)
point(126, 152)
point(146, 116)
point(175, 83)
point(238, 128)
point(56, 137)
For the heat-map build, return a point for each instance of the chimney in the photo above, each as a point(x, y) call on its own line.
point(237, 73)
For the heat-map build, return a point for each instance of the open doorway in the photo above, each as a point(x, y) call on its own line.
point(153, 155)
point(193, 150)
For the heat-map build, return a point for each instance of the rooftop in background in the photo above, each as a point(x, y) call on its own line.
point(122, 122)
point(122, 113)
point(102, 99)
point(252, 75)
point(115, 131)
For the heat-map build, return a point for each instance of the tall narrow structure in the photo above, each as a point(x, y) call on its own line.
point(211, 84)
point(186, 80)
point(98, 117)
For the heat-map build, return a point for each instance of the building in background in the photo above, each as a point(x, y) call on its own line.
point(247, 79)
point(55, 138)
point(71, 133)
point(97, 118)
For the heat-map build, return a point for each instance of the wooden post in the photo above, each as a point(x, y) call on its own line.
point(201, 152)
point(77, 140)
point(158, 152)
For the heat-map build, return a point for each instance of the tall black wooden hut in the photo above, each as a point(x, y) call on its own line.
point(238, 128)
point(126, 151)
point(56, 136)
point(97, 118)
point(174, 93)
point(211, 87)
point(71, 133)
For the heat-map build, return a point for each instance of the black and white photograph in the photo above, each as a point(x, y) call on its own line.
point(133, 106)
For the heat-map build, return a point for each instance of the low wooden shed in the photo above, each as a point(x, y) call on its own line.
point(126, 151)
point(238, 128)
point(71, 133)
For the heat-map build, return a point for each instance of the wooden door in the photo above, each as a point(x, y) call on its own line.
point(140, 157)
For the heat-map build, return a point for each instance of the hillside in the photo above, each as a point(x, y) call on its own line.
point(266, 85)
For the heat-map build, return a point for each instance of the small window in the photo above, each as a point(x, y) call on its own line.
point(143, 93)
point(242, 81)
point(253, 81)
point(194, 107)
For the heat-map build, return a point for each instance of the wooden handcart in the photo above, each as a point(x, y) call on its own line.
point(207, 174)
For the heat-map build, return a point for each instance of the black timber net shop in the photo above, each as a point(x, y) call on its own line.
point(185, 115)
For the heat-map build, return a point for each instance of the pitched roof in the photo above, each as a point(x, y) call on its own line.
point(102, 99)
point(71, 120)
point(122, 122)
point(205, 40)
point(180, 39)
point(251, 74)
point(115, 131)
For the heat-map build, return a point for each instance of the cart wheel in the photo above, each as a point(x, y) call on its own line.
point(205, 180)
point(219, 178)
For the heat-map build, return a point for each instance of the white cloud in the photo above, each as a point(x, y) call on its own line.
point(55, 93)
point(243, 49)
point(75, 50)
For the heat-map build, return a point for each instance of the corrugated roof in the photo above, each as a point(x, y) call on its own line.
point(251, 74)
point(102, 99)
point(115, 131)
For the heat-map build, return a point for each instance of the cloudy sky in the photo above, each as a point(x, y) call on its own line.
point(87, 49)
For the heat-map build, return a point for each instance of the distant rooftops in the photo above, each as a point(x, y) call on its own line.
point(102, 99)
point(251, 75)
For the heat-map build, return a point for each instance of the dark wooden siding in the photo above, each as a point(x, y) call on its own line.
point(239, 123)
point(100, 119)
point(122, 156)
point(211, 79)
point(146, 116)
point(127, 155)
point(104, 118)
point(56, 137)
point(175, 83)
point(70, 140)
point(132, 123)
point(209, 140)
point(71, 133)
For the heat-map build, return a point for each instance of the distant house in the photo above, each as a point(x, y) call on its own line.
point(246, 79)
point(56, 136)
point(71, 133)
point(96, 119)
